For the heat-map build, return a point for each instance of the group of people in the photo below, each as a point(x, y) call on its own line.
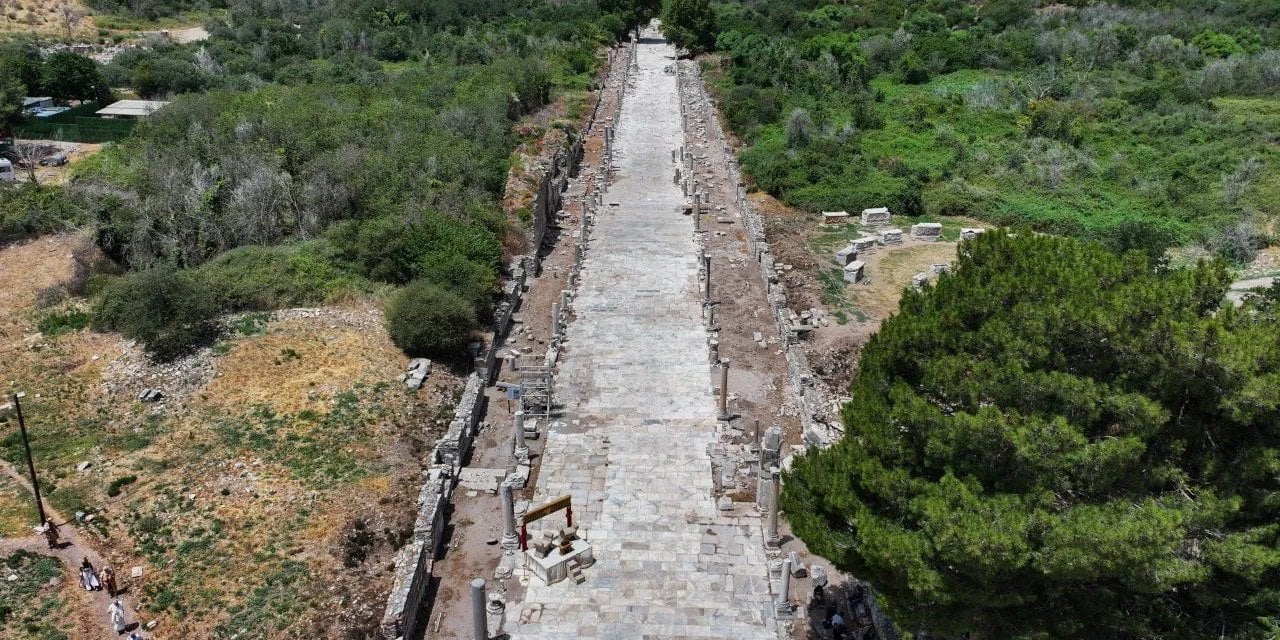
point(91, 582)
point(89, 578)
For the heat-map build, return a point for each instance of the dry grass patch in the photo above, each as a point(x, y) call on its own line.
point(289, 451)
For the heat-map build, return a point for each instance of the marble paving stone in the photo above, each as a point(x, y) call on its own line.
point(633, 449)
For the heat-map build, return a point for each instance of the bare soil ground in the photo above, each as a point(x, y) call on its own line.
point(44, 17)
point(269, 488)
point(814, 281)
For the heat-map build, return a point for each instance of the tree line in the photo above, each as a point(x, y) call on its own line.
point(315, 150)
point(1074, 118)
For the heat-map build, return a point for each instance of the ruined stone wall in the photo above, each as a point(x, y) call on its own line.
point(820, 427)
point(414, 562)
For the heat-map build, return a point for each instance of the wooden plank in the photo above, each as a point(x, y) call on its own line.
point(544, 510)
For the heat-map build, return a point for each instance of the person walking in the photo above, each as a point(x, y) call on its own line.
point(88, 579)
point(51, 533)
point(109, 581)
point(116, 610)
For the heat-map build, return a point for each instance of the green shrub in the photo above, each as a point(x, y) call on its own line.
point(425, 319)
point(169, 312)
point(256, 278)
point(113, 489)
point(54, 325)
point(30, 209)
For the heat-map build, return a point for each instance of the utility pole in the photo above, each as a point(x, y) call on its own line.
point(31, 465)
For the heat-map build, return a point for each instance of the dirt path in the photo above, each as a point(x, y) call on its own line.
point(72, 550)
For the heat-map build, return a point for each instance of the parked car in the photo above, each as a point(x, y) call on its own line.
point(55, 160)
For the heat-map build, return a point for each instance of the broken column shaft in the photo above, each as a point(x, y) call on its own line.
point(771, 537)
point(519, 448)
point(479, 617)
point(706, 283)
point(555, 320)
point(510, 540)
point(724, 389)
point(783, 604)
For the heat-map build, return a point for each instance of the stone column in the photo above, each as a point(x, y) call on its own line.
point(783, 604)
point(706, 283)
point(724, 389)
point(564, 300)
point(771, 537)
point(555, 320)
point(510, 541)
point(479, 617)
point(519, 448)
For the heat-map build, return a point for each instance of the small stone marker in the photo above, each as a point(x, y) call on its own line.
point(136, 572)
point(971, 233)
point(865, 244)
point(150, 395)
point(875, 216)
point(891, 236)
point(853, 272)
point(835, 217)
point(846, 255)
point(927, 230)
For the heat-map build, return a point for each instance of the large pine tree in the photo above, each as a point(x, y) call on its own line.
point(1059, 442)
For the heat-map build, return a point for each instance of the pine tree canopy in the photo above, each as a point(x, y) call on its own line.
point(1059, 442)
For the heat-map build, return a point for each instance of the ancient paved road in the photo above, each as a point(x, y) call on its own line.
point(633, 451)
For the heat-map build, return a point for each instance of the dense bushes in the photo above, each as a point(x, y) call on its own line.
point(29, 209)
point(1074, 120)
point(1059, 442)
point(425, 319)
point(169, 312)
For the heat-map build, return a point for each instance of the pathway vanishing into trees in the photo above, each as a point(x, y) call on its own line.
point(633, 451)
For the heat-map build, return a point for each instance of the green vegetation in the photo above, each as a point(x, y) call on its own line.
point(1075, 119)
point(689, 24)
point(426, 319)
point(29, 605)
point(169, 312)
point(309, 151)
point(1059, 442)
point(30, 209)
point(117, 484)
point(56, 324)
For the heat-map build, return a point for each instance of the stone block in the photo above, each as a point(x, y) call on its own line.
point(927, 230)
point(865, 244)
point(891, 236)
point(875, 216)
point(970, 233)
point(846, 255)
point(835, 217)
point(940, 268)
point(854, 271)
point(919, 280)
